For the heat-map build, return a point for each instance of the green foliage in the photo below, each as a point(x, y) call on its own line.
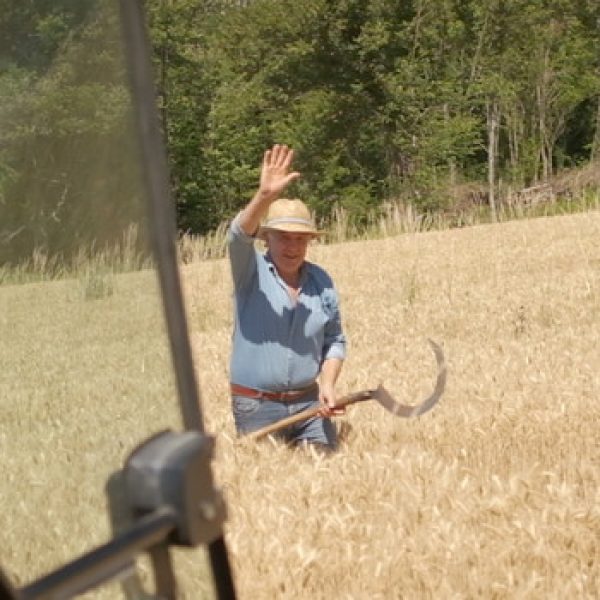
point(33, 32)
point(66, 179)
point(381, 100)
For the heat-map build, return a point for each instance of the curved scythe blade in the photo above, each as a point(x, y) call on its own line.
point(402, 410)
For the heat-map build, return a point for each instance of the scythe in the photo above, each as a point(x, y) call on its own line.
point(380, 394)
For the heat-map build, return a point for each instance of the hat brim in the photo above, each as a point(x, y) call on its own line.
point(289, 228)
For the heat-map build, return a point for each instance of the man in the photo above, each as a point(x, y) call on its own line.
point(288, 330)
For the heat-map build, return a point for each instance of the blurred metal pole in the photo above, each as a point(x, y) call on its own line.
point(104, 563)
point(121, 520)
point(164, 232)
point(161, 209)
point(7, 592)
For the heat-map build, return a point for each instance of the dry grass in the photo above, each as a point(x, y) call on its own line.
point(397, 217)
point(494, 494)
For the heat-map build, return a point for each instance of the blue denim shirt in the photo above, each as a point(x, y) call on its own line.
point(279, 345)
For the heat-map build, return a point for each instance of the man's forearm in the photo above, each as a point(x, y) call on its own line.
point(253, 212)
point(330, 371)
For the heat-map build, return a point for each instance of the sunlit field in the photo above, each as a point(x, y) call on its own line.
point(493, 494)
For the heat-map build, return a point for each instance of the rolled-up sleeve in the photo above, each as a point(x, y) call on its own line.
point(242, 254)
point(334, 342)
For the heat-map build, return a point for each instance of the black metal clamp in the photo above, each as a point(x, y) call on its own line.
point(173, 470)
point(166, 488)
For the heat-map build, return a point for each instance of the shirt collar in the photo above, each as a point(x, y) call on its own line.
point(273, 268)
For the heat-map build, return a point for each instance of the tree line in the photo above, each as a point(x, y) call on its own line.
point(69, 173)
point(382, 100)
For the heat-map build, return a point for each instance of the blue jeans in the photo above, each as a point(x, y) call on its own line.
point(251, 414)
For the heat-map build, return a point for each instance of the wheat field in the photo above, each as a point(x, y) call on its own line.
point(493, 494)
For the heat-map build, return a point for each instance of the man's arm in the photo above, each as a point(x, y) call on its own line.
point(330, 371)
point(275, 176)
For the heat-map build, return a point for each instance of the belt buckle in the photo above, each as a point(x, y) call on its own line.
point(293, 394)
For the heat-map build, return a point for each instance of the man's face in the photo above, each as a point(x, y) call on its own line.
point(288, 250)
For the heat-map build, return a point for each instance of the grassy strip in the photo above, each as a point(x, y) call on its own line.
point(393, 218)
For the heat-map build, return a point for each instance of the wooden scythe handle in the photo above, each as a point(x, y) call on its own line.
point(308, 413)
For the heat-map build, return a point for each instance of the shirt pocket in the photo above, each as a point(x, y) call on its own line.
point(244, 407)
point(329, 304)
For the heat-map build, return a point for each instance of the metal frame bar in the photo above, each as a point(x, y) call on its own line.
point(163, 226)
point(150, 533)
point(104, 563)
point(161, 209)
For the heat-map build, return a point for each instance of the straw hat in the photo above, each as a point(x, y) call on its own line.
point(288, 215)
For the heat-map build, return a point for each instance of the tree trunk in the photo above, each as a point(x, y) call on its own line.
point(515, 134)
point(492, 127)
point(545, 144)
point(164, 67)
point(595, 154)
point(451, 159)
point(417, 29)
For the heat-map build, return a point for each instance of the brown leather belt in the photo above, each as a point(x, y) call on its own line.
point(283, 396)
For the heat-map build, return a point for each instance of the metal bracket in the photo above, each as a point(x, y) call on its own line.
point(173, 469)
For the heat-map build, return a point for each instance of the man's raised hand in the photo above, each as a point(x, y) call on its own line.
point(275, 174)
